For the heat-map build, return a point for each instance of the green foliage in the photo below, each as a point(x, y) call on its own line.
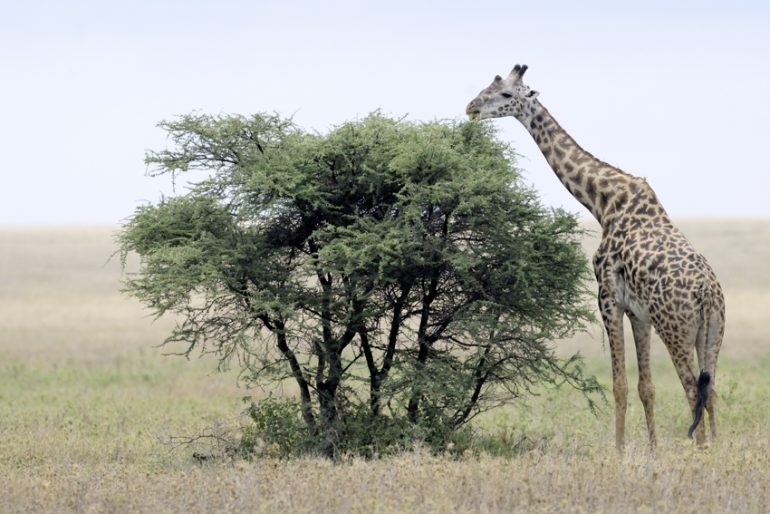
point(276, 429)
point(399, 273)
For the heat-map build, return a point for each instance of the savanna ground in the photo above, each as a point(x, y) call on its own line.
point(88, 405)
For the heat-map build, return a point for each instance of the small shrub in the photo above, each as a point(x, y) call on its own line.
point(275, 429)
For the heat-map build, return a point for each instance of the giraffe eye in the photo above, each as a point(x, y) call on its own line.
point(506, 95)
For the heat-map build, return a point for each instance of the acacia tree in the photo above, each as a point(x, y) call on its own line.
point(398, 273)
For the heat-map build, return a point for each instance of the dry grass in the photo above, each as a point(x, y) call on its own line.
point(731, 479)
point(86, 402)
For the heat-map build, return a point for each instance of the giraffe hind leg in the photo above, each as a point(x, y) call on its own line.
point(713, 343)
point(711, 408)
point(680, 348)
point(701, 398)
point(707, 344)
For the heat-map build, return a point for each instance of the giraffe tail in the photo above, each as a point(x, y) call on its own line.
point(700, 400)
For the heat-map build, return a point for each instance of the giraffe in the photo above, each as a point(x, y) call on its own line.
point(645, 267)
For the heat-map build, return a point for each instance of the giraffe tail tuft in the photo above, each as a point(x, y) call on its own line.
point(704, 379)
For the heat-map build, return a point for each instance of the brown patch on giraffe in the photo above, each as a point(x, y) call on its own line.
point(591, 190)
point(646, 210)
point(656, 264)
point(579, 158)
point(602, 203)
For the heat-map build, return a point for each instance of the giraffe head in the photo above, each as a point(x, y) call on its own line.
point(504, 97)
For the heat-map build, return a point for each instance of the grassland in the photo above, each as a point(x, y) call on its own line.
point(88, 403)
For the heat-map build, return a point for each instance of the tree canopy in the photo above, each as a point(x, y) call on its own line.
point(399, 274)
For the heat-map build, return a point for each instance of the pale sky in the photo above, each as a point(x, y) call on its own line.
point(676, 92)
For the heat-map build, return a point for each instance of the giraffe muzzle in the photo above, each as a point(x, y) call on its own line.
point(472, 111)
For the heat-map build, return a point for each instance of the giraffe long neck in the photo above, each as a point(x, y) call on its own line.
point(595, 184)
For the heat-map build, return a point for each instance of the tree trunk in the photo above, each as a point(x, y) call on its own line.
point(423, 343)
point(279, 329)
point(480, 375)
point(329, 428)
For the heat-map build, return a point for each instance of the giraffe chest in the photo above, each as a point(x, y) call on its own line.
point(630, 300)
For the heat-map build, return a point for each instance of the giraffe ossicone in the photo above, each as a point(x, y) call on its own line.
point(645, 267)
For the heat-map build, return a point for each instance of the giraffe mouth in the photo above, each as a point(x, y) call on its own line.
point(473, 113)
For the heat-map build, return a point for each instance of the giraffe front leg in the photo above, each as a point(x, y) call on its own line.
point(641, 329)
point(612, 316)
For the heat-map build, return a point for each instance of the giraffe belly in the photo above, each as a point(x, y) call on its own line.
point(629, 301)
